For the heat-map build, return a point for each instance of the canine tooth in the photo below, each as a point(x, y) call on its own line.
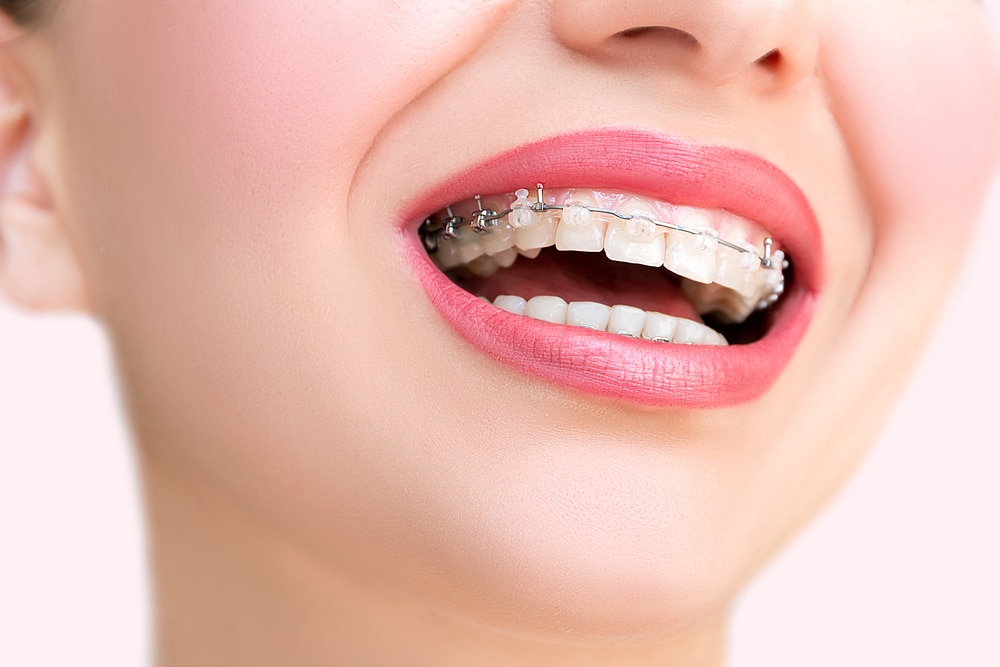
point(547, 308)
point(626, 321)
point(659, 327)
point(588, 314)
point(506, 258)
point(498, 239)
point(512, 304)
point(541, 233)
point(580, 229)
point(692, 256)
point(521, 214)
point(737, 270)
point(636, 241)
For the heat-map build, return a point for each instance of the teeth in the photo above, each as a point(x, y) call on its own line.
point(621, 320)
point(690, 333)
point(736, 270)
point(580, 230)
point(499, 239)
point(717, 278)
point(506, 258)
point(627, 321)
point(547, 308)
point(512, 304)
point(659, 327)
point(588, 314)
point(483, 266)
point(636, 241)
point(533, 230)
point(692, 256)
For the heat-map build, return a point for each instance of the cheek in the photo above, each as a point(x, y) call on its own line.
point(916, 88)
point(263, 90)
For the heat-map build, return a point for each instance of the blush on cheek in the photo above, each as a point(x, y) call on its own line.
point(274, 86)
point(916, 90)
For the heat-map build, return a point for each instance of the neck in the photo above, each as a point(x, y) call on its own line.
point(230, 589)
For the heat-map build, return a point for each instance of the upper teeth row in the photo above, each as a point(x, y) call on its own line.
point(689, 246)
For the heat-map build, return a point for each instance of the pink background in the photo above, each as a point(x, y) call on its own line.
point(900, 570)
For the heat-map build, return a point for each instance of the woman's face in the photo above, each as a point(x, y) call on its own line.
point(244, 183)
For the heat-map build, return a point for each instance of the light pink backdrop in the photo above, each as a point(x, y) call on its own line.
point(900, 570)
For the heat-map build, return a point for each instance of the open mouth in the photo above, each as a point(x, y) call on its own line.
point(613, 262)
point(648, 269)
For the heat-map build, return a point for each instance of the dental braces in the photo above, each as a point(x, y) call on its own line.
point(485, 220)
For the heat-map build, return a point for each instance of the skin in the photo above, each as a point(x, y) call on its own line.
point(216, 183)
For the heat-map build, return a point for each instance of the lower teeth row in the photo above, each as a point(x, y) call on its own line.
point(622, 320)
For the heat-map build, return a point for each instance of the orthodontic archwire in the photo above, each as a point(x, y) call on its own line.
point(484, 220)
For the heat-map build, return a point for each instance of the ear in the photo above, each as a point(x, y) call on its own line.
point(39, 269)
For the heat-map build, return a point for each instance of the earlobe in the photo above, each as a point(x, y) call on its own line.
point(39, 269)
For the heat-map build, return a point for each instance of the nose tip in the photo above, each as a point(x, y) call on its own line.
point(716, 40)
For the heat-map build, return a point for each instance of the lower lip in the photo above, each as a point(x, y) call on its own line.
point(616, 367)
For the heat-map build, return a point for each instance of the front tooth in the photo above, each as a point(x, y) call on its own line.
point(692, 256)
point(579, 228)
point(626, 321)
point(636, 241)
point(588, 314)
point(659, 327)
point(547, 308)
point(512, 304)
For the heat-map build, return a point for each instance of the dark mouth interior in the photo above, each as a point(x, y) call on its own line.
point(580, 276)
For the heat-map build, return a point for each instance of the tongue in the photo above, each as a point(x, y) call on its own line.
point(577, 276)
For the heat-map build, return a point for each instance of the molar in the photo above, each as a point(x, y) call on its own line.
point(483, 266)
point(506, 258)
point(636, 241)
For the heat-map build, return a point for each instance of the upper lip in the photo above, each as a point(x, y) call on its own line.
point(658, 166)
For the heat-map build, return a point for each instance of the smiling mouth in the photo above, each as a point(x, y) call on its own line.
point(596, 289)
point(614, 262)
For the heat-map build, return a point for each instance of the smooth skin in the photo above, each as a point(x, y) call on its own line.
point(217, 183)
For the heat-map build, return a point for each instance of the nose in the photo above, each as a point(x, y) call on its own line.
point(773, 41)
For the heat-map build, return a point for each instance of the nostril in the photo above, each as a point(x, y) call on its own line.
point(772, 60)
point(664, 33)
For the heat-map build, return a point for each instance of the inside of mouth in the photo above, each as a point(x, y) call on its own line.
point(585, 276)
